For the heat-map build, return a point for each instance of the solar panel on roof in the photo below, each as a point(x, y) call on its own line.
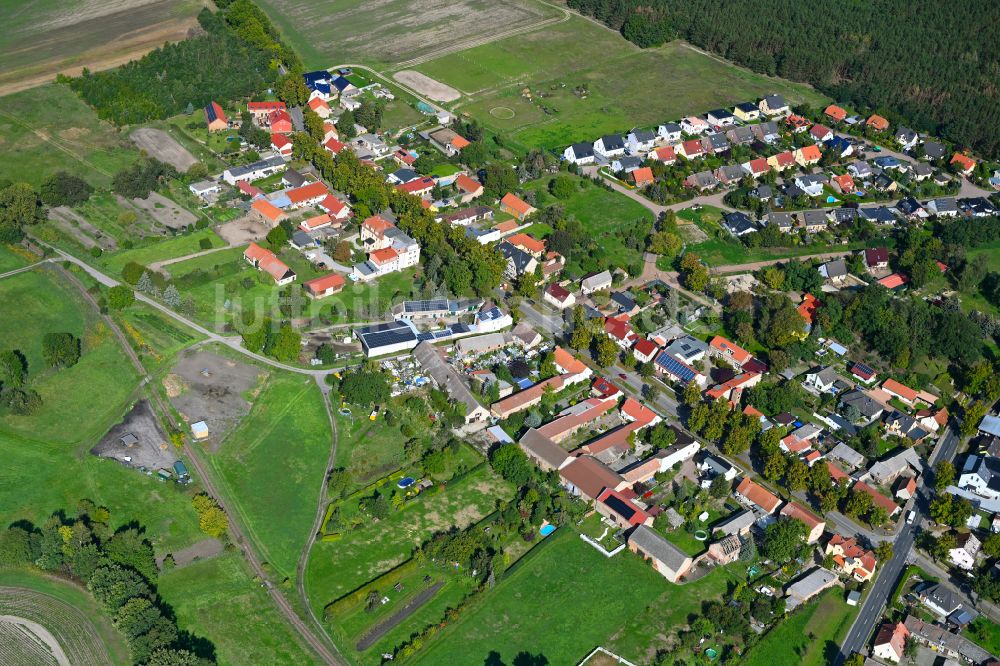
point(426, 306)
point(424, 337)
point(620, 507)
point(675, 367)
point(863, 369)
point(460, 328)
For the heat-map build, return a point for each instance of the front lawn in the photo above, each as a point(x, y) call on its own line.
point(985, 633)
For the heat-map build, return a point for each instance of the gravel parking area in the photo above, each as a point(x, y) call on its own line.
point(151, 450)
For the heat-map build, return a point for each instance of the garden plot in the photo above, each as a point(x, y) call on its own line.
point(207, 387)
point(37, 628)
point(80, 229)
point(427, 86)
point(166, 212)
point(150, 449)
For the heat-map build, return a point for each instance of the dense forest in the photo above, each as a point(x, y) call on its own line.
point(235, 56)
point(932, 65)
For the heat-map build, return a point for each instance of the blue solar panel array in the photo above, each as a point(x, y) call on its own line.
point(678, 369)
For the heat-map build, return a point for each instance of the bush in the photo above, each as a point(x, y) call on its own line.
point(205, 243)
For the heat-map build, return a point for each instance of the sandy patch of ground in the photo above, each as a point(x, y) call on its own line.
point(153, 450)
point(427, 86)
point(242, 231)
point(215, 391)
point(165, 211)
point(202, 550)
point(163, 147)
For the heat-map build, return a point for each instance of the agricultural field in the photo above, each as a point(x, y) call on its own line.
point(342, 564)
point(809, 637)
point(76, 624)
point(155, 337)
point(272, 465)
point(605, 215)
point(564, 599)
point(218, 600)
point(49, 129)
point(585, 80)
point(47, 303)
point(47, 37)
point(390, 33)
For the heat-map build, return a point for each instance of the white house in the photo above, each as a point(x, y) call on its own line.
point(695, 125)
point(981, 475)
point(963, 555)
point(597, 282)
point(579, 153)
point(609, 146)
point(669, 132)
point(639, 141)
point(890, 642)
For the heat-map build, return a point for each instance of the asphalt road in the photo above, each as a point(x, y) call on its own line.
point(889, 573)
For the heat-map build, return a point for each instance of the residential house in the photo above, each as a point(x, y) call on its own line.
point(645, 350)
point(729, 174)
point(421, 187)
point(934, 150)
point(702, 181)
point(740, 136)
point(752, 494)
point(664, 154)
point(850, 558)
point(738, 223)
point(906, 138)
point(280, 122)
point(448, 380)
point(588, 477)
point(738, 524)
point(822, 380)
point(890, 642)
point(694, 125)
point(732, 389)
point(597, 282)
point(981, 475)
point(268, 212)
point(798, 124)
point(949, 645)
point(642, 177)
point(940, 600)
point(876, 259)
point(747, 111)
point(668, 560)
point(773, 105)
point(692, 149)
point(880, 500)
point(261, 110)
point(327, 285)
point(515, 206)
point(782, 161)
point(844, 184)
point(669, 132)
point(579, 153)
point(215, 118)
point(268, 262)
point(619, 508)
point(688, 349)
point(904, 425)
point(545, 453)
point(964, 163)
point(609, 146)
point(835, 113)
point(889, 469)
point(943, 207)
point(720, 118)
point(640, 141)
point(519, 262)
point(626, 164)
point(877, 123)
point(319, 107)
point(726, 550)
point(282, 145)
point(728, 351)
point(834, 271)
point(557, 296)
point(814, 524)
point(811, 183)
point(905, 488)
point(448, 141)
point(767, 132)
point(620, 330)
point(307, 195)
point(863, 372)
point(808, 155)
point(255, 171)
point(906, 395)
point(965, 552)
point(860, 170)
point(677, 370)
point(715, 143)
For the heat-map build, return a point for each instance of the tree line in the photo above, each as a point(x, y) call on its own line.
point(118, 567)
point(236, 56)
point(930, 65)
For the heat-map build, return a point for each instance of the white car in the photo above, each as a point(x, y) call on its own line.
point(910, 517)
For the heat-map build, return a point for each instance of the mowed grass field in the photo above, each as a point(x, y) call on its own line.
point(273, 464)
point(67, 611)
point(566, 599)
point(49, 129)
point(337, 567)
point(46, 303)
point(809, 637)
point(44, 37)
point(217, 599)
point(604, 215)
point(626, 86)
point(331, 32)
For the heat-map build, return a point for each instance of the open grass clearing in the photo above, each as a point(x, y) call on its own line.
point(330, 32)
point(339, 566)
point(810, 636)
point(155, 337)
point(159, 250)
point(565, 600)
point(606, 217)
point(585, 80)
point(984, 633)
point(218, 599)
point(46, 303)
point(272, 466)
point(80, 628)
point(49, 129)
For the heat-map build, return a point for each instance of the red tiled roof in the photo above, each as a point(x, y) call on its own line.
point(604, 388)
point(638, 412)
point(835, 112)
point(307, 192)
point(879, 499)
point(820, 131)
point(279, 141)
point(315, 222)
point(730, 349)
point(415, 186)
point(878, 122)
point(758, 495)
point(256, 252)
point(321, 284)
point(876, 255)
point(378, 224)
point(332, 204)
point(265, 106)
point(963, 161)
point(893, 281)
point(845, 182)
point(637, 516)
point(799, 512)
point(901, 390)
point(836, 473)
point(383, 256)
point(318, 103)
point(267, 209)
point(693, 147)
point(808, 307)
point(569, 363)
point(333, 146)
point(459, 142)
point(796, 445)
point(642, 175)
point(759, 166)
point(529, 244)
point(515, 203)
point(785, 159)
point(467, 184)
point(617, 328)
point(810, 153)
point(645, 346)
point(666, 154)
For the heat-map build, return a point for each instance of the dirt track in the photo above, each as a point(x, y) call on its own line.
point(393, 620)
point(425, 85)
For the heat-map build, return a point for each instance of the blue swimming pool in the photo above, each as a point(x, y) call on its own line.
point(831, 199)
point(405, 482)
point(547, 530)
